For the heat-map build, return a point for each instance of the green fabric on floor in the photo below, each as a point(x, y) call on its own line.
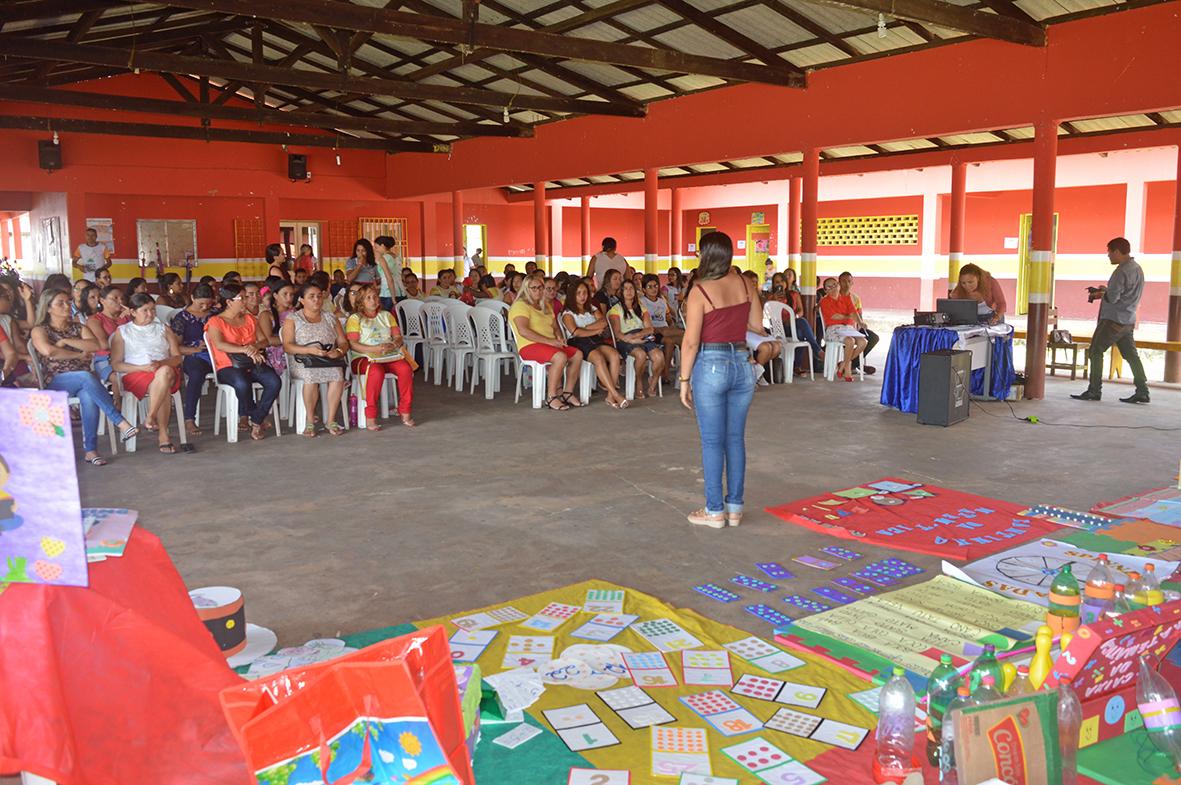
point(543, 760)
point(360, 640)
point(1129, 759)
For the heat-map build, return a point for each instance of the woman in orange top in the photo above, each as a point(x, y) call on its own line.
point(237, 343)
point(840, 325)
point(976, 284)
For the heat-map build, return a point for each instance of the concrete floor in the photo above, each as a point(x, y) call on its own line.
point(487, 501)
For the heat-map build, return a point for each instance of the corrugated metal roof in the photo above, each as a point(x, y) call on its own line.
point(631, 175)
point(833, 18)
point(764, 26)
point(1173, 116)
point(600, 179)
point(977, 138)
point(907, 144)
point(648, 18)
point(847, 152)
point(645, 91)
point(702, 168)
point(600, 31)
point(789, 158)
point(897, 37)
point(547, 80)
point(690, 82)
point(1112, 123)
point(816, 55)
point(694, 40)
point(675, 171)
point(600, 72)
point(750, 163)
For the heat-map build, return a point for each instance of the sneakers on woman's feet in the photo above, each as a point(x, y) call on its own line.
point(714, 520)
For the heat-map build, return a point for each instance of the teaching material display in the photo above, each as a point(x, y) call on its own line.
point(1162, 505)
point(1010, 740)
point(916, 517)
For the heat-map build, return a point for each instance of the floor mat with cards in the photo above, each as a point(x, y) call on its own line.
point(912, 516)
point(674, 694)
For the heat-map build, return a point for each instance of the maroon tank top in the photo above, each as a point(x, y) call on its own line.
point(724, 325)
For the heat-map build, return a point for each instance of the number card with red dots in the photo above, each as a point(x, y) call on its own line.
point(679, 751)
point(787, 692)
point(604, 627)
point(526, 650)
point(649, 669)
point(551, 617)
point(719, 709)
point(468, 646)
point(771, 764)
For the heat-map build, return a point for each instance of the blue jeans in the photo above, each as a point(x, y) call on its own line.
point(195, 366)
point(241, 381)
point(804, 333)
point(93, 398)
point(723, 387)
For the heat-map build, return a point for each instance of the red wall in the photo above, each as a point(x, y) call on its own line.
point(841, 208)
point(1159, 206)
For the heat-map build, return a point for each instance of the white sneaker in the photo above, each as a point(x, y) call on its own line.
point(760, 380)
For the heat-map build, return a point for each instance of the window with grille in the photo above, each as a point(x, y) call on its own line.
point(868, 230)
point(371, 228)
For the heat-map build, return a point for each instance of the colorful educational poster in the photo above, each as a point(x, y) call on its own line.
point(911, 516)
point(1162, 506)
point(1025, 572)
point(41, 539)
point(107, 531)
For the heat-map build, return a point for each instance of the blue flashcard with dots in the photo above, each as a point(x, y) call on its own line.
point(839, 597)
point(800, 601)
point(715, 592)
point(774, 570)
point(841, 553)
point(900, 567)
point(753, 583)
point(767, 613)
point(876, 578)
point(861, 587)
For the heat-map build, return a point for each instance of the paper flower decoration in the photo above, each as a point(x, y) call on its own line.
point(39, 415)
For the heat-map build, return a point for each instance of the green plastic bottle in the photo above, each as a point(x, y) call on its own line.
point(986, 665)
point(941, 689)
point(1065, 602)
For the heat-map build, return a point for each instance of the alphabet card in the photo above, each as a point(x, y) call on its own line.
point(604, 627)
point(599, 777)
point(706, 668)
point(680, 751)
point(41, 532)
point(492, 618)
point(719, 709)
point(777, 691)
point(666, 635)
point(580, 728)
point(604, 601)
point(551, 617)
point(771, 764)
point(635, 707)
point(763, 655)
point(468, 646)
point(649, 669)
point(526, 650)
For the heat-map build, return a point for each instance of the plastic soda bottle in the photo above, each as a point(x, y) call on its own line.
point(1158, 706)
point(1065, 599)
point(941, 689)
point(895, 732)
point(1021, 685)
point(1119, 602)
point(1147, 592)
point(987, 691)
point(947, 775)
point(1098, 591)
point(1070, 717)
point(986, 665)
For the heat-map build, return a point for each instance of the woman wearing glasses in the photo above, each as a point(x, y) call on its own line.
point(536, 330)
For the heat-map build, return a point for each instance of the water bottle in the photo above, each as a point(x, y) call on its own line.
point(947, 775)
point(986, 665)
point(1065, 599)
point(1162, 716)
point(987, 691)
point(1021, 685)
point(1098, 591)
point(1146, 592)
point(1119, 602)
point(895, 732)
point(941, 689)
point(1070, 717)
point(352, 410)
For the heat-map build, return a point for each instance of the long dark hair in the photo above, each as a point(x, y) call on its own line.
point(84, 296)
point(571, 303)
point(716, 257)
point(371, 258)
point(275, 251)
point(275, 288)
point(639, 312)
point(607, 277)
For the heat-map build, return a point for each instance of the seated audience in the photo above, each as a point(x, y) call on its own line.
point(60, 282)
point(135, 286)
point(277, 262)
point(536, 330)
point(549, 294)
point(300, 277)
point(317, 345)
point(377, 349)
point(795, 300)
point(21, 372)
point(413, 292)
point(103, 322)
point(346, 303)
point(871, 338)
point(277, 308)
point(635, 337)
point(510, 270)
point(188, 324)
point(339, 283)
point(233, 276)
point(530, 268)
point(486, 288)
point(585, 324)
point(8, 359)
point(840, 325)
point(79, 294)
point(148, 355)
point(608, 296)
point(512, 289)
point(102, 277)
point(172, 291)
point(674, 289)
point(658, 311)
point(237, 344)
point(446, 286)
point(66, 349)
point(975, 283)
point(252, 297)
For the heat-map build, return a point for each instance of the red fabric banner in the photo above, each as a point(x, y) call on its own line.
point(911, 516)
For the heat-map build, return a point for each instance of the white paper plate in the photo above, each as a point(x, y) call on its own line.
point(259, 641)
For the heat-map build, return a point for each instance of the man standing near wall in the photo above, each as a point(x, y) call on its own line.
point(605, 260)
point(90, 255)
point(1119, 300)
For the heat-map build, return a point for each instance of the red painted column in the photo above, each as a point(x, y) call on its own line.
point(5, 223)
point(808, 213)
point(1173, 359)
point(793, 224)
point(651, 222)
point(457, 233)
point(584, 231)
point(540, 235)
point(427, 240)
point(959, 203)
point(1041, 256)
point(676, 228)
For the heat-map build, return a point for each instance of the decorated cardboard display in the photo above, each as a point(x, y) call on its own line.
point(41, 537)
point(223, 611)
point(1102, 661)
point(1013, 740)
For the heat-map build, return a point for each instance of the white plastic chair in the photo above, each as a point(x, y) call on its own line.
point(389, 389)
point(588, 379)
point(297, 416)
point(540, 373)
point(227, 402)
point(461, 340)
point(103, 426)
point(492, 350)
point(409, 313)
point(782, 321)
point(834, 352)
point(164, 313)
point(135, 410)
point(434, 320)
point(629, 372)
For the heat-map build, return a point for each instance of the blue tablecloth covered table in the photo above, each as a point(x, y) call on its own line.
point(900, 380)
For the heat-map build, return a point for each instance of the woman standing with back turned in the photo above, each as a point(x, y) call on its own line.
point(715, 375)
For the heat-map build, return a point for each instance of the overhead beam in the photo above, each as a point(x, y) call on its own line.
point(953, 17)
point(450, 30)
point(51, 124)
point(255, 73)
point(26, 10)
point(208, 111)
point(726, 33)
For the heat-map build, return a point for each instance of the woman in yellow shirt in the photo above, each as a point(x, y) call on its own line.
point(536, 330)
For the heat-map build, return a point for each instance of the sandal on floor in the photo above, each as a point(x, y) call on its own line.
point(625, 403)
point(548, 401)
point(409, 422)
point(97, 460)
point(373, 426)
point(612, 404)
point(187, 448)
point(193, 433)
point(168, 449)
point(334, 428)
point(566, 399)
point(128, 435)
point(256, 432)
point(309, 431)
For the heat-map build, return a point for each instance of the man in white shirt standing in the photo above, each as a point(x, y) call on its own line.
point(605, 260)
point(91, 255)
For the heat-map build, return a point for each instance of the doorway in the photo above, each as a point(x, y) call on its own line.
point(474, 236)
point(758, 246)
point(293, 234)
point(702, 231)
point(1025, 267)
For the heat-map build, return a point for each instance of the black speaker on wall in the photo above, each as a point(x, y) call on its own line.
point(297, 166)
point(49, 154)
